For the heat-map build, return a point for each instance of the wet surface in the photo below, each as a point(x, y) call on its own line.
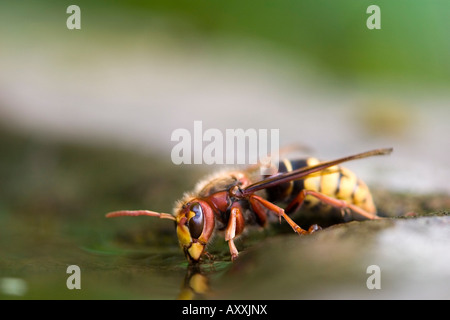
point(412, 255)
point(54, 197)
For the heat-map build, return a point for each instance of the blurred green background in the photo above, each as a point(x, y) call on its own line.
point(86, 117)
point(411, 47)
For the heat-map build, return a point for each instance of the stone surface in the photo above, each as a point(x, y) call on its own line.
point(412, 255)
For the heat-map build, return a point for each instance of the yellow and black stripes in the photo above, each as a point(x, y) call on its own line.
point(336, 182)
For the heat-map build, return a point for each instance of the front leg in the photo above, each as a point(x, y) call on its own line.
point(235, 227)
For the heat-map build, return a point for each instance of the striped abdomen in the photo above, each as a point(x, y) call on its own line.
point(336, 182)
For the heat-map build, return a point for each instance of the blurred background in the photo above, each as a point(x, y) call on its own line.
point(86, 118)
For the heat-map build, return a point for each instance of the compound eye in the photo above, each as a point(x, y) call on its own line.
point(196, 220)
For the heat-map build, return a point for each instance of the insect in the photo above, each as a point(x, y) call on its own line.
point(229, 201)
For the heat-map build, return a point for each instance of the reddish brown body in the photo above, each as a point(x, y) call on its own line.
point(232, 200)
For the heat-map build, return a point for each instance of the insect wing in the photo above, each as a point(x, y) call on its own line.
point(303, 173)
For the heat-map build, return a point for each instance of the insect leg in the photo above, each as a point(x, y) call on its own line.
point(340, 204)
point(234, 227)
point(259, 204)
